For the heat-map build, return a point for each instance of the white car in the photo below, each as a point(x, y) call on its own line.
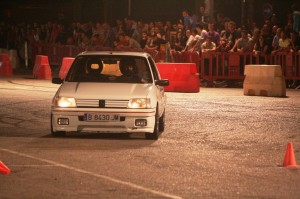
point(111, 92)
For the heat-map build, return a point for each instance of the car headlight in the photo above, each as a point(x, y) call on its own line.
point(65, 102)
point(139, 103)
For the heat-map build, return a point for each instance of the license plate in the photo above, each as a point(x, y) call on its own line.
point(100, 117)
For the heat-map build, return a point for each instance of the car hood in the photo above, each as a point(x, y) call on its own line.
point(87, 90)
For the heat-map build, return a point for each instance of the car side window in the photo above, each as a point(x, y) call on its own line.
point(76, 70)
point(144, 70)
point(154, 69)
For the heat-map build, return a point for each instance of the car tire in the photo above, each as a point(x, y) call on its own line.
point(57, 133)
point(162, 122)
point(155, 134)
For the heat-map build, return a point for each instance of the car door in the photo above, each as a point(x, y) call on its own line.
point(160, 92)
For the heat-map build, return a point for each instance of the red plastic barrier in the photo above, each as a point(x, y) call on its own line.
point(234, 64)
point(183, 77)
point(174, 56)
point(213, 66)
point(191, 57)
point(5, 65)
point(290, 63)
point(42, 69)
point(289, 66)
point(65, 66)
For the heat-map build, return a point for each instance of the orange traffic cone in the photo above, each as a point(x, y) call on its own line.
point(289, 158)
point(4, 169)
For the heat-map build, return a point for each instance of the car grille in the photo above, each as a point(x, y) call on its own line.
point(96, 103)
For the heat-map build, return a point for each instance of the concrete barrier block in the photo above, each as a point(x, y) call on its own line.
point(264, 80)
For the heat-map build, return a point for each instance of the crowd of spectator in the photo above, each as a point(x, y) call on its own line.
point(193, 32)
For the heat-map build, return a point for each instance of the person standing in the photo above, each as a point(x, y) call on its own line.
point(203, 18)
point(187, 20)
point(215, 36)
point(232, 35)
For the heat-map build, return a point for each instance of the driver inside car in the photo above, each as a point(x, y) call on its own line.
point(130, 73)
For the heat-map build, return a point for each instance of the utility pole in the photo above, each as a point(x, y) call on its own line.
point(243, 17)
point(209, 7)
point(129, 7)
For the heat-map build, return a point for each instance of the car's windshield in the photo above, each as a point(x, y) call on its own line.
point(108, 68)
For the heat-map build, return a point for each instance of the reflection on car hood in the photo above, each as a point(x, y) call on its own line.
point(87, 90)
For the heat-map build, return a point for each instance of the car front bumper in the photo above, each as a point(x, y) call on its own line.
point(126, 123)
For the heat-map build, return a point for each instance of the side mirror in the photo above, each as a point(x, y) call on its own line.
point(162, 82)
point(57, 80)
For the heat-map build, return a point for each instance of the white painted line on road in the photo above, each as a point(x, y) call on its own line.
point(129, 184)
point(33, 165)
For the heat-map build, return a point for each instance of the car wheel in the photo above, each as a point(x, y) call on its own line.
point(162, 122)
point(57, 133)
point(155, 134)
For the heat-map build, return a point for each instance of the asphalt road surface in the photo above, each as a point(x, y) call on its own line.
point(218, 143)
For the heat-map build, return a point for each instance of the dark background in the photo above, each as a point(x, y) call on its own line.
point(145, 10)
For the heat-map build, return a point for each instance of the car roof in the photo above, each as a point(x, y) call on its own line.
point(124, 53)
